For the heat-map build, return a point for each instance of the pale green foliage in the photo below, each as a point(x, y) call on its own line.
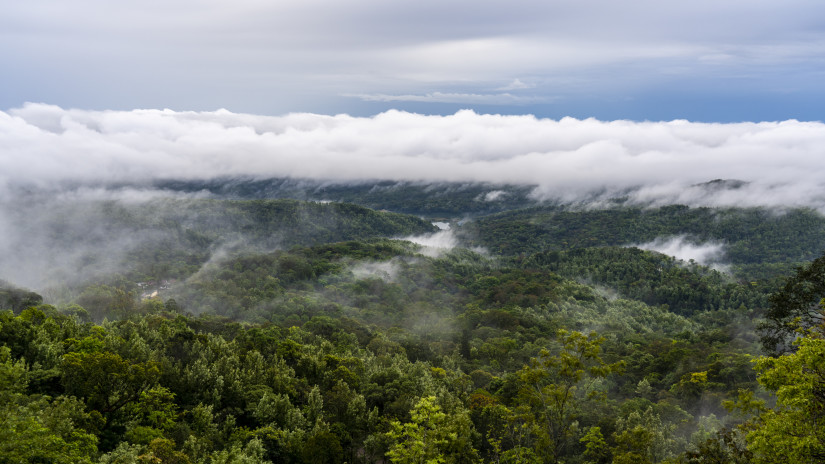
point(793, 431)
point(596, 448)
point(554, 387)
point(152, 415)
point(706, 428)
point(278, 411)
point(252, 453)
point(511, 433)
point(315, 406)
point(12, 375)
point(125, 453)
point(642, 437)
point(431, 436)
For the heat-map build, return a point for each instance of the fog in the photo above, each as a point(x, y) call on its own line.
point(680, 247)
point(52, 240)
point(386, 271)
point(435, 244)
point(569, 160)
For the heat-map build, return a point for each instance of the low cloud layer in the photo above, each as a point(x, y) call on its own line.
point(570, 160)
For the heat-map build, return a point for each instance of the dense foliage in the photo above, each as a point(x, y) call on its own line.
point(318, 337)
point(758, 243)
point(426, 199)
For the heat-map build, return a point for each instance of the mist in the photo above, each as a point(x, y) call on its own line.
point(568, 160)
point(435, 244)
point(709, 253)
point(55, 242)
point(48, 242)
point(386, 270)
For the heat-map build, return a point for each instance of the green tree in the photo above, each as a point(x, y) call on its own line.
point(37, 429)
point(798, 305)
point(555, 387)
point(794, 430)
point(106, 380)
point(430, 437)
point(641, 437)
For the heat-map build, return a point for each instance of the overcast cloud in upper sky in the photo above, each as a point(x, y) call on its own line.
point(701, 60)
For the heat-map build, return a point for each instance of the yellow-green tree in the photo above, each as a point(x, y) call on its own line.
point(794, 430)
point(431, 437)
point(555, 387)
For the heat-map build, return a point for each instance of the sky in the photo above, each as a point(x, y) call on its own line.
point(639, 60)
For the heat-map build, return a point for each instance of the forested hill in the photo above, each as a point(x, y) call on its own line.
point(281, 331)
point(442, 199)
point(71, 242)
point(271, 222)
point(757, 242)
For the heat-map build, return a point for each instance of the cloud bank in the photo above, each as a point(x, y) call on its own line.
point(780, 163)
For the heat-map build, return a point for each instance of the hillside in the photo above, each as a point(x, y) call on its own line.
point(218, 330)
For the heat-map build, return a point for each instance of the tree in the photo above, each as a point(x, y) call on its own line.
point(798, 305)
point(555, 387)
point(431, 436)
point(641, 437)
point(106, 301)
point(36, 428)
point(106, 380)
point(794, 430)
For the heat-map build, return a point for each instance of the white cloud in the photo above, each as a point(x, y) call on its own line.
point(679, 247)
point(494, 195)
point(568, 159)
point(435, 244)
point(384, 270)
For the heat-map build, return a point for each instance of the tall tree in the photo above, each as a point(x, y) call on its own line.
point(798, 305)
point(555, 387)
point(794, 430)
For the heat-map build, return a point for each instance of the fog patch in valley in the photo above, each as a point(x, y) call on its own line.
point(435, 244)
point(494, 195)
point(51, 242)
point(385, 270)
point(64, 240)
point(680, 247)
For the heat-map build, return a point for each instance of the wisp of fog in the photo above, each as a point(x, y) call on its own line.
point(708, 253)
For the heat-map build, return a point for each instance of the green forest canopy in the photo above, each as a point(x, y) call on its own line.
point(345, 344)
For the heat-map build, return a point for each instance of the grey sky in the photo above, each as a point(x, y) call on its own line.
point(705, 60)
